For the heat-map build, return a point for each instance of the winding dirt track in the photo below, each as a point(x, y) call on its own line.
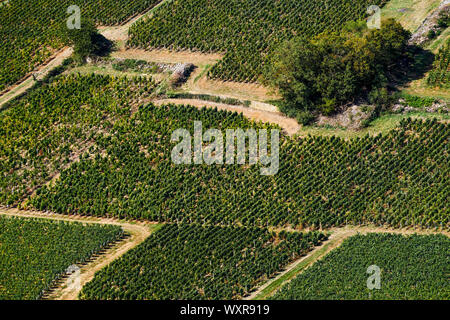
point(23, 85)
point(289, 125)
point(138, 231)
point(338, 236)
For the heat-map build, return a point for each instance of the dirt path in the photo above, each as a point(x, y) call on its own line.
point(120, 33)
point(200, 84)
point(138, 232)
point(292, 270)
point(421, 34)
point(289, 125)
point(337, 237)
point(40, 73)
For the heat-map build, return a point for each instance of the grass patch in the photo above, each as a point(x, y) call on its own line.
point(278, 283)
point(410, 13)
point(381, 125)
point(207, 97)
point(202, 74)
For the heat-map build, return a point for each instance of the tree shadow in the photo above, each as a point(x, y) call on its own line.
point(418, 62)
point(103, 46)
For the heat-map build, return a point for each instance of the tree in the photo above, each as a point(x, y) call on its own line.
point(86, 41)
point(335, 68)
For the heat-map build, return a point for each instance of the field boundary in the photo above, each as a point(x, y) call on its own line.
point(270, 287)
point(61, 285)
point(40, 72)
point(289, 125)
point(338, 236)
point(137, 232)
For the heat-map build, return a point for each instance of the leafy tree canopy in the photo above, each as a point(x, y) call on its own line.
point(335, 68)
point(86, 41)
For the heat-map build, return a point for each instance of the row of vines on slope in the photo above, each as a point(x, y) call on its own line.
point(412, 267)
point(199, 262)
point(35, 252)
point(30, 29)
point(247, 31)
point(47, 129)
point(399, 179)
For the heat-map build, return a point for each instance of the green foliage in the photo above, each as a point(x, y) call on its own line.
point(335, 68)
point(381, 98)
point(431, 34)
point(417, 102)
point(444, 19)
point(245, 30)
point(42, 131)
point(207, 97)
point(439, 76)
point(135, 65)
point(192, 262)
point(35, 252)
point(31, 30)
point(305, 118)
point(412, 267)
point(398, 179)
point(86, 41)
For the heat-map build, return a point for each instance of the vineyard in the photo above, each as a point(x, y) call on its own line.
point(35, 252)
point(412, 267)
point(192, 262)
point(440, 74)
point(48, 128)
point(246, 31)
point(77, 140)
point(399, 179)
point(112, 158)
point(30, 29)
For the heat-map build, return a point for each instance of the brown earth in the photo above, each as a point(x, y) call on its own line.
point(289, 125)
point(138, 231)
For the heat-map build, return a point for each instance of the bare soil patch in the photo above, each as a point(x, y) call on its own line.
point(167, 56)
point(289, 125)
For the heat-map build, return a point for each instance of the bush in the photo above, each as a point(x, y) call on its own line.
point(381, 98)
point(305, 118)
point(431, 34)
point(417, 102)
point(336, 68)
point(439, 76)
point(444, 20)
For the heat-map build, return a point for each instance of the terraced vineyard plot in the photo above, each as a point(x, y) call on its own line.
point(29, 29)
point(198, 262)
point(51, 126)
point(412, 267)
point(399, 179)
point(245, 30)
point(34, 252)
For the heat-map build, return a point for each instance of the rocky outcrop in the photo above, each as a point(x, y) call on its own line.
point(420, 36)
